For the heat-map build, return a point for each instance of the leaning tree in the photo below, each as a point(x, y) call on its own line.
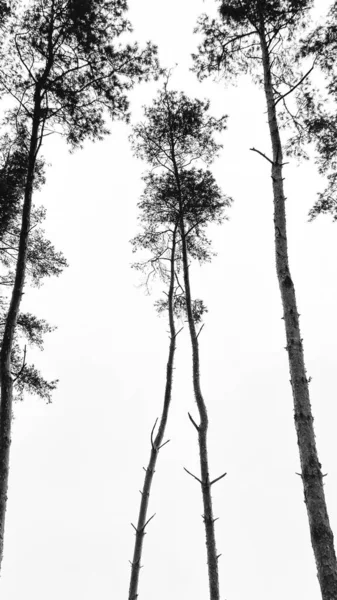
point(176, 132)
point(257, 36)
point(63, 67)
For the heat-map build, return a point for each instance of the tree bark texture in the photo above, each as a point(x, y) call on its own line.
point(314, 497)
point(7, 341)
point(157, 443)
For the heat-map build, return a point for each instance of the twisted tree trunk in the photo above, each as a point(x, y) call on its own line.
point(157, 443)
point(320, 530)
point(7, 341)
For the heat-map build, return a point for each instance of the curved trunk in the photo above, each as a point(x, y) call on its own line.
point(212, 558)
point(320, 530)
point(202, 428)
point(156, 444)
point(7, 341)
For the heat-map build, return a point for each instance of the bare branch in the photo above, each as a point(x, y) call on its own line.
point(164, 444)
point(262, 154)
point(176, 334)
point(153, 428)
point(193, 421)
point(197, 478)
point(217, 479)
point(148, 521)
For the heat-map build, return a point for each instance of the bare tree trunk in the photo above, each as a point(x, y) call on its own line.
point(7, 341)
point(157, 443)
point(202, 428)
point(320, 530)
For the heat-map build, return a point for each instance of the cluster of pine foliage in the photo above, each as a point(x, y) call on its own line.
point(65, 68)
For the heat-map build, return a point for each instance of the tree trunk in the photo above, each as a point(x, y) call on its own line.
point(157, 443)
point(202, 428)
point(7, 341)
point(320, 530)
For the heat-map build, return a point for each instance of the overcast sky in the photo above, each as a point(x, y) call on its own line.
point(76, 465)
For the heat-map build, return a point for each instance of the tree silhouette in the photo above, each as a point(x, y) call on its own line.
point(177, 132)
point(254, 36)
point(62, 68)
point(161, 242)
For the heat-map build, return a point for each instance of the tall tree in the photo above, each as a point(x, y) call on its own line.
point(176, 132)
point(160, 240)
point(63, 70)
point(318, 110)
point(254, 36)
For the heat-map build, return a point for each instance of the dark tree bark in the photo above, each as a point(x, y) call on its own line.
point(157, 442)
point(321, 534)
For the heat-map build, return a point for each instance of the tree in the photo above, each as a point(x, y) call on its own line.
point(60, 65)
point(254, 36)
point(318, 118)
point(176, 133)
point(161, 242)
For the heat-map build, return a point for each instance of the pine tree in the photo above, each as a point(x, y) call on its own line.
point(62, 67)
point(177, 132)
point(257, 36)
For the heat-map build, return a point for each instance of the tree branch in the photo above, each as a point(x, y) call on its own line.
point(294, 86)
point(217, 479)
point(153, 428)
point(262, 154)
point(193, 422)
point(197, 478)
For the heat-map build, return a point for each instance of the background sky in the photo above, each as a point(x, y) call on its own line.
point(76, 465)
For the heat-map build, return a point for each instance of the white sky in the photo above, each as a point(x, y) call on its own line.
point(76, 465)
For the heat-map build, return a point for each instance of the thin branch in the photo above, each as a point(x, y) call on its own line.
point(197, 478)
point(153, 428)
point(164, 444)
point(218, 478)
point(193, 421)
point(148, 521)
point(176, 334)
point(262, 154)
point(294, 86)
